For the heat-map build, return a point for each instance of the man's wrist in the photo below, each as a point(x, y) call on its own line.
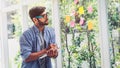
point(45, 51)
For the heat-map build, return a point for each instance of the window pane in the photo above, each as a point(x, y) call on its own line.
point(11, 2)
point(14, 31)
point(0, 54)
point(79, 26)
point(114, 31)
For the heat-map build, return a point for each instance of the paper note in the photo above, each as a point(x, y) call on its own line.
point(81, 10)
point(81, 21)
point(90, 25)
point(90, 9)
point(73, 13)
point(72, 24)
point(76, 1)
point(45, 55)
point(78, 27)
point(67, 18)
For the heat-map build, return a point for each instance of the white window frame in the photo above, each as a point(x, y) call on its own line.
point(103, 34)
point(56, 25)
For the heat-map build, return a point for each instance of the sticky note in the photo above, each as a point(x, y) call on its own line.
point(81, 10)
point(73, 13)
point(67, 18)
point(76, 1)
point(90, 25)
point(90, 9)
point(78, 27)
point(72, 24)
point(81, 21)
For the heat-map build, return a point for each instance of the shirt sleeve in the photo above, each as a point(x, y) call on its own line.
point(25, 46)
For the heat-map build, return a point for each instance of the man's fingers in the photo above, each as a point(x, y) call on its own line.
point(53, 53)
point(50, 53)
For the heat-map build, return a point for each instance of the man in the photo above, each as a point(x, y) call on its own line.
point(38, 41)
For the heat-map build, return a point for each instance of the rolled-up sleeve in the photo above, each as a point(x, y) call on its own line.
point(25, 46)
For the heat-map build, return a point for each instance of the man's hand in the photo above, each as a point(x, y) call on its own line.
point(52, 52)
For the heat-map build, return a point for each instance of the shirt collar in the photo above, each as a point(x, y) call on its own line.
point(37, 30)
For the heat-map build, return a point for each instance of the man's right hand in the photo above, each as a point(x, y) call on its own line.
point(52, 52)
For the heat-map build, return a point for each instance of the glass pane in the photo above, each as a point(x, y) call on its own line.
point(0, 50)
point(79, 26)
point(11, 2)
point(14, 31)
point(114, 30)
point(0, 54)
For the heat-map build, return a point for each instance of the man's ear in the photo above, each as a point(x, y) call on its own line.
point(35, 20)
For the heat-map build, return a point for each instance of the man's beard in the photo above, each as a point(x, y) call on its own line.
point(42, 23)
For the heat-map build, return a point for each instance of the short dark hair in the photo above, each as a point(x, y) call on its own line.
point(36, 11)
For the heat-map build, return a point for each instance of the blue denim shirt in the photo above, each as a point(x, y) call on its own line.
point(29, 43)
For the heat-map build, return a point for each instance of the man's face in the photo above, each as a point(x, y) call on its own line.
point(42, 19)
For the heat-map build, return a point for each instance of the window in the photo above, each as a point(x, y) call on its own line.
point(11, 2)
point(0, 54)
point(14, 31)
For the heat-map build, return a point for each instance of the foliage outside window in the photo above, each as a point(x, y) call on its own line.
point(114, 27)
point(79, 18)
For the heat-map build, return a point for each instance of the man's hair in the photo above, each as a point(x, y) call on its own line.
point(36, 11)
